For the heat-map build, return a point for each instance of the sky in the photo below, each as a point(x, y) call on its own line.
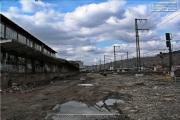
point(87, 30)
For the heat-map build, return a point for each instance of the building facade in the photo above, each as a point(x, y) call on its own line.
point(22, 54)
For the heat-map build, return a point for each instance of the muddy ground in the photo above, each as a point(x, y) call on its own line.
point(148, 97)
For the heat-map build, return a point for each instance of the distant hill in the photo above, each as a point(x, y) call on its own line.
point(152, 61)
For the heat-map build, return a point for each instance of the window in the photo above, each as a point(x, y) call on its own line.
point(2, 30)
point(29, 43)
point(1, 55)
point(21, 60)
point(21, 38)
point(46, 51)
point(40, 48)
point(11, 33)
point(52, 54)
point(37, 47)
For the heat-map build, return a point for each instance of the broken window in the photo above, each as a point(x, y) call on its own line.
point(21, 60)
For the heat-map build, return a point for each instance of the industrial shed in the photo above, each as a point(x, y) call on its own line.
point(24, 58)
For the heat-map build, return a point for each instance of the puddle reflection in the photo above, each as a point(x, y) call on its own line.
point(87, 85)
point(77, 111)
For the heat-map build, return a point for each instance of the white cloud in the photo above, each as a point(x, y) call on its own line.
point(77, 33)
point(170, 21)
point(94, 14)
point(14, 9)
point(34, 5)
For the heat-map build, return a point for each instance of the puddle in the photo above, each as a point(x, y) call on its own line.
point(80, 111)
point(83, 78)
point(86, 85)
point(111, 102)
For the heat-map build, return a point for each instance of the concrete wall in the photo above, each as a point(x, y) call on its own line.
point(24, 79)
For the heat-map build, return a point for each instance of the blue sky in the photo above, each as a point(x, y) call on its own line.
point(81, 28)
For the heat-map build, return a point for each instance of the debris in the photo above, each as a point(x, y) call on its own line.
point(140, 97)
point(96, 84)
point(83, 78)
point(134, 110)
point(138, 75)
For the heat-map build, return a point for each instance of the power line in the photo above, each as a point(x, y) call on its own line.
point(156, 13)
point(161, 20)
point(163, 23)
point(169, 20)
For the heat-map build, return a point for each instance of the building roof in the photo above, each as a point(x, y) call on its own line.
point(24, 32)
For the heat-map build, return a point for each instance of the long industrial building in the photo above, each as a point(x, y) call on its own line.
point(24, 58)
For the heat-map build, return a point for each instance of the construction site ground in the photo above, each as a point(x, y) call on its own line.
point(148, 97)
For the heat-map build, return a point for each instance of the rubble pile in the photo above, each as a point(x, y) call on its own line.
point(15, 89)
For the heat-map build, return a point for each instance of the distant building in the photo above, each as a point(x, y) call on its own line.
point(82, 68)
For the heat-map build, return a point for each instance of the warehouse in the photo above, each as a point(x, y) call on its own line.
point(24, 58)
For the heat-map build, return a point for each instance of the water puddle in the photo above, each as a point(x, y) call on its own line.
point(80, 111)
point(82, 78)
point(86, 85)
point(111, 102)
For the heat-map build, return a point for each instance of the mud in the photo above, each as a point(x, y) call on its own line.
point(119, 96)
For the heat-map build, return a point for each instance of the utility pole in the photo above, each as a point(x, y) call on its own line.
point(137, 44)
point(127, 61)
point(168, 44)
point(110, 64)
point(100, 64)
point(122, 62)
point(104, 62)
point(162, 56)
point(115, 57)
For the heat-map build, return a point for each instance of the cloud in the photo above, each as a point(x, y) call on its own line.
point(14, 9)
point(93, 15)
point(34, 5)
point(170, 21)
point(76, 34)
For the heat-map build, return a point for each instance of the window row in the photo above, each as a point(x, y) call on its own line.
point(48, 52)
point(12, 34)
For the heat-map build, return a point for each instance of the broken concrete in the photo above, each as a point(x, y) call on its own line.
point(146, 97)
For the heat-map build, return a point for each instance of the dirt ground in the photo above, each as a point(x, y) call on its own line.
point(148, 97)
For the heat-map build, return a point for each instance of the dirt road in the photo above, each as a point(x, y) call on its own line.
point(115, 96)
